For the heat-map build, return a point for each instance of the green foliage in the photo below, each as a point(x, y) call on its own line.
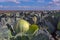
point(58, 26)
point(23, 30)
point(33, 28)
point(56, 14)
point(40, 37)
point(22, 38)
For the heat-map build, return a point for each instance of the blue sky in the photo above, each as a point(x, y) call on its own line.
point(29, 4)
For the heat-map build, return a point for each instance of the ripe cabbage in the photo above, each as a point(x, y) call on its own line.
point(21, 26)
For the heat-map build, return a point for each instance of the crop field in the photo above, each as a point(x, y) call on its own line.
point(29, 25)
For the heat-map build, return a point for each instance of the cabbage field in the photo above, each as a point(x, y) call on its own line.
point(30, 25)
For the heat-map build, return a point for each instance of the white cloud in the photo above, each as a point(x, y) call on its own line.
point(18, 1)
point(1, 6)
point(29, 7)
point(55, 2)
point(10, 1)
point(25, 0)
point(40, 1)
point(22, 7)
